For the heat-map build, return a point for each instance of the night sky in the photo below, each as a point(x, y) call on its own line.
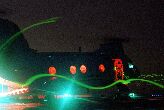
point(86, 23)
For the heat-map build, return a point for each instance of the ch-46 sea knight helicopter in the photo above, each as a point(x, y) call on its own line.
point(101, 67)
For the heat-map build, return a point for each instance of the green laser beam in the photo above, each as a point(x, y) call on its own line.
point(32, 79)
point(16, 35)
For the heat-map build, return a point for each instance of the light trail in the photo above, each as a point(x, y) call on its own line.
point(32, 79)
point(16, 35)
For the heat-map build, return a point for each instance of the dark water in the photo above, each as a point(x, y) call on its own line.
point(104, 105)
point(97, 104)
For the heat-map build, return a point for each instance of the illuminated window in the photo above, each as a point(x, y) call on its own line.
point(83, 69)
point(101, 68)
point(52, 70)
point(72, 69)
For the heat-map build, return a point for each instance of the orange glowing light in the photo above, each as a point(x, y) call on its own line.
point(83, 69)
point(52, 70)
point(101, 68)
point(72, 69)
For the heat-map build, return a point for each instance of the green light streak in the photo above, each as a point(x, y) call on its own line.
point(86, 100)
point(16, 35)
point(32, 79)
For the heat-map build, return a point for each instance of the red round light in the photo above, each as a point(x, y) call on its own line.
point(101, 68)
point(72, 69)
point(83, 69)
point(52, 70)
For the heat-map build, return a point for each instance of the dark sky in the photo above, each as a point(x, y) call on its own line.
point(86, 23)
